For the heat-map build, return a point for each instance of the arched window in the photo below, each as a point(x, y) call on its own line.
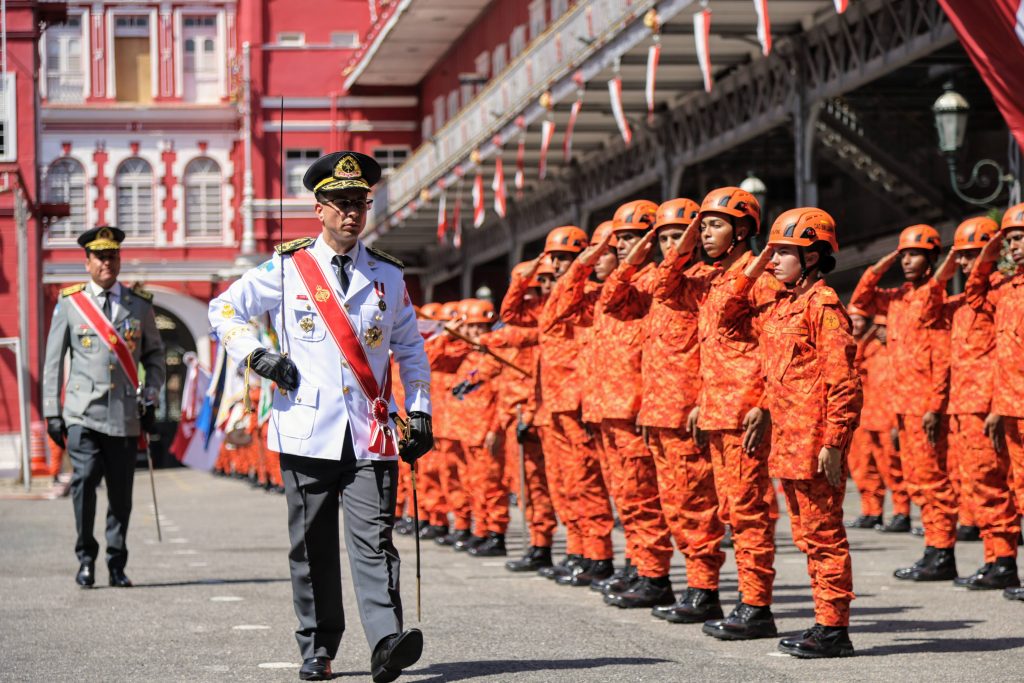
point(65, 184)
point(204, 214)
point(134, 185)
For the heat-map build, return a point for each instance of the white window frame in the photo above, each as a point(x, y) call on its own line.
point(290, 39)
point(538, 18)
point(154, 53)
point(517, 41)
point(499, 58)
point(62, 30)
point(68, 223)
point(9, 115)
point(388, 164)
point(206, 233)
point(145, 238)
point(482, 64)
point(348, 40)
point(296, 166)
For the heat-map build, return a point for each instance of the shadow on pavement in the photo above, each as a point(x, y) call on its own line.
point(905, 646)
point(461, 671)
point(209, 582)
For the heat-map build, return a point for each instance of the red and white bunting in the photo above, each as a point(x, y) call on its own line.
point(457, 220)
point(520, 179)
point(442, 218)
point(478, 200)
point(701, 35)
point(764, 26)
point(615, 92)
point(547, 131)
point(567, 143)
point(498, 186)
point(653, 56)
point(841, 5)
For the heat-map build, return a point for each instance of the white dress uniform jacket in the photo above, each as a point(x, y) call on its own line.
point(311, 421)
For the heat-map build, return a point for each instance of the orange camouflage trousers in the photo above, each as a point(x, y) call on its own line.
point(585, 491)
point(887, 460)
point(865, 473)
point(557, 452)
point(686, 484)
point(962, 484)
point(1014, 429)
point(927, 478)
point(745, 493)
point(451, 465)
point(816, 514)
point(433, 508)
point(540, 513)
point(637, 498)
point(487, 492)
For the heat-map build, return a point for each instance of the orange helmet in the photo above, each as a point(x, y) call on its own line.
point(566, 238)
point(803, 227)
point(635, 215)
point(603, 229)
point(732, 201)
point(546, 267)
point(679, 212)
point(856, 310)
point(431, 311)
point(449, 311)
point(479, 311)
point(974, 232)
point(1014, 217)
point(880, 320)
point(919, 237)
point(520, 270)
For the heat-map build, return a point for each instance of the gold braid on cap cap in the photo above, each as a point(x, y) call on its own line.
point(347, 173)
point(104, 241)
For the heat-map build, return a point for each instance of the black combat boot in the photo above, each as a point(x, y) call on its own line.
point(695, 606)
point(819, 642)
point(626, 571)
point(865, 522)
point(964, 581)
point(941, 568)
point(1001, 574)
point(647, 592)
point(536, 557)
point(434, 531)
point(597, 570)
point(898, 524)
point(727, 538)
point(745, 622)
point(622, 584)
point(404, 526)
point(467, 543)
point(908, 573)
point(492, 546)
point(562, 568)
point(454, 537)
point(968, 534)
point(1014, 594)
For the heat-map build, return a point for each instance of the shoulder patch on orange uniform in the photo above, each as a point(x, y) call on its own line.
point(831, 320)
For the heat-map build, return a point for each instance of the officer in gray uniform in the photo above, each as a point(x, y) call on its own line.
point(107, 327)
point(342, 312)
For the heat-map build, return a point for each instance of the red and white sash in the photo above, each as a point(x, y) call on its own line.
point(107, 333)
point(382, 440)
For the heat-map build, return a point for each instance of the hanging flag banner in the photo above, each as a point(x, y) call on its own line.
point(841, 5)
point(764, 26)
point(615, 92)
point(442, 219)
point(520, 179)
point(547, 131)
point(457, 218)
point(573, 114)
point(701, 35)
point(478, 200)
point(498, 186)
point(653, 55)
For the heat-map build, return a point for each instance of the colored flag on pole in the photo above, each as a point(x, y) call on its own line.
point(841, 5)
point(478, 200)
point(615, 92)
point(653, 56)
point(764, 26)
point(442, 218)
point(701, 35)
point(498, 186)
point(547, 131)
point(520, 179)
point(567, 144)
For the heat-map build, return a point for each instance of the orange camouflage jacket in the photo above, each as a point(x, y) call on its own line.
point(879, 412)
point(1006, 295)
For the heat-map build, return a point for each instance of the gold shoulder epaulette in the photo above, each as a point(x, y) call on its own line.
point(294, 245)
point(73, 289)
point(140, 291)
point(386, 257)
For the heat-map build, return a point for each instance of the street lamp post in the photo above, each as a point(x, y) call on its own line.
point(950, 111)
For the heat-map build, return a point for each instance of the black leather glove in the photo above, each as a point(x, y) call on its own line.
point(148, 419)
point(459, 389)
point(276, 368)
point(420, 440)
point(57, 430)
point(523, 432)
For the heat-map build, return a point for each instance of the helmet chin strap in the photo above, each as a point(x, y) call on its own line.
point(804, 270)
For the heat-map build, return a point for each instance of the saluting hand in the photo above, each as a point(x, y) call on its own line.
point(944, 273)
point(276, 368)
point(885, 263)
point(641, 250)
point(992, 249)
point(758, 265)
point(420, 439)
point(830, 461)
point(689, 240)
point(591, 254)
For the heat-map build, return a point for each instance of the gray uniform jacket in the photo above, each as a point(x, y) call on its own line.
point(98, 393)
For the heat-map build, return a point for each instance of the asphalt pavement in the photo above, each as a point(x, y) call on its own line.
point(212, 602)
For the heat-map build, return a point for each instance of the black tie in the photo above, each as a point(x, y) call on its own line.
point(107, 305)
point(340, 261)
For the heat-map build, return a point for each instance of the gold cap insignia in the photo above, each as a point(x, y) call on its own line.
point(347, 168)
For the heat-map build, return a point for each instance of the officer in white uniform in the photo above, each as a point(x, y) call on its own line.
point(321, 421)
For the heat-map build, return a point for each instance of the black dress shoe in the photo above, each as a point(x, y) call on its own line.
point(941, 568)
point(465, 544)
point(598, 570)
point(623, 583)
point(395, 653)
point(626, 573)
point(727, 538)
point(963, 581)
point(1014, 594)
point(745, 622)
point(563, 568)
point(315, 669)
point(535, 558)
point(898, 524)
point(645, 593)
point(576, 569)
point(493, 546)
point(404, 526)
point(917, 531)
point(454, 537)
point(119, 580)
point(434, 531)
point(908, 573)
point(86, 575)
point(968, 534)
point(695, 606)
point(819, 642)
point(865, 522)
point(1001, 574)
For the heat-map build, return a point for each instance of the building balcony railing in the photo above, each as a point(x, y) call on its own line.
point(563, 47)
point(65, 88)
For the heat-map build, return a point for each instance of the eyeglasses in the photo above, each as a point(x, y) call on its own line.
point(346, 205)
point(106, 254)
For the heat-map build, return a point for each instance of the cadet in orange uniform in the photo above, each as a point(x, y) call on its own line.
point(864, 470)
point(1004, 424)
point(618, 333)
point(729, 408)
point(813, 391)
point(919, 339)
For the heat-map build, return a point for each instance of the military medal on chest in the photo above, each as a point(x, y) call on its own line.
point(132, 332)
point(378, 288)
point(306, 324)
point(373, 337)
